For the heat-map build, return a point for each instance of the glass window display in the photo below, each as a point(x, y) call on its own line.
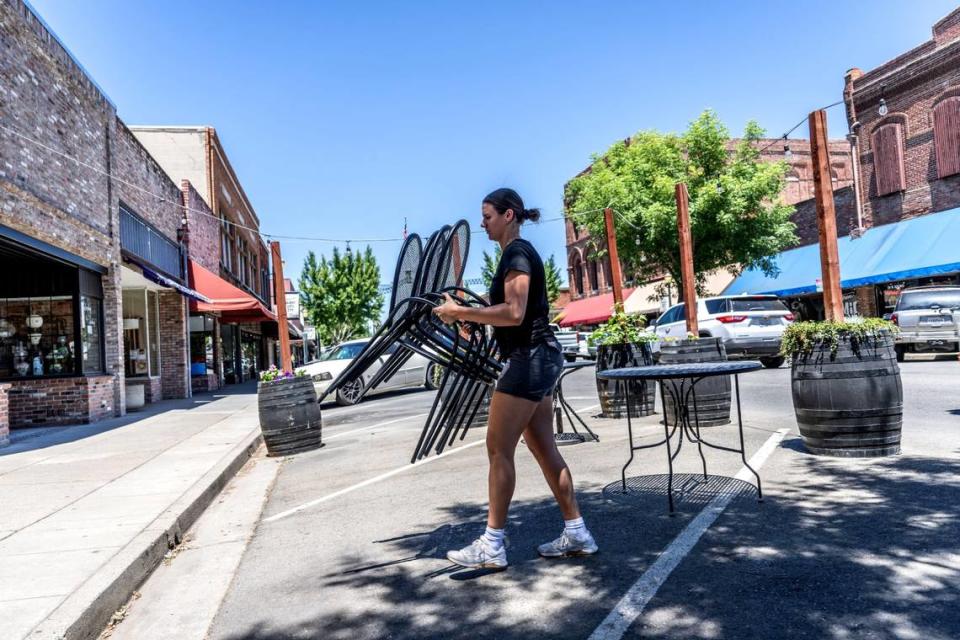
point(46, 305)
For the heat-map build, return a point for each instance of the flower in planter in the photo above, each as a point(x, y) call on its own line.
point(803, 338)
point(623, 328)
point(273, 373)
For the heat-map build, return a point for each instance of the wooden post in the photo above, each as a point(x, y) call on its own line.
point(826, 217)
point(686, 259)
point(614, 260)
point(281, 298)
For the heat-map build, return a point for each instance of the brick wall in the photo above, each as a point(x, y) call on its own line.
point(173, 345)
point(159, 204)
point(60, 401)
point(910, 85)
point(4, 415)
point(203, 237)
point(99, 396)
point(46, 96)
point(805, 216)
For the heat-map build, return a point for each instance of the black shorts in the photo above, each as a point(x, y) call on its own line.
point(531, 373)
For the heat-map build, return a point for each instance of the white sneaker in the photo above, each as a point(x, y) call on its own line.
point(568, 545)
point(479, 555)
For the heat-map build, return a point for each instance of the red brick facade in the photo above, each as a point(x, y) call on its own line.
point(50, 102)
point(47, 402)
point(4, 415)
point(912, 87)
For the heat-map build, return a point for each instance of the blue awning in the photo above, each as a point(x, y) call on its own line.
point(915, 248)
point(163, 280)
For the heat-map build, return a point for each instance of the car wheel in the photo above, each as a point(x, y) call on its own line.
point(569, 358)
point(432, 379)
point(901, 353)
point(773, 362)
point(349, 393)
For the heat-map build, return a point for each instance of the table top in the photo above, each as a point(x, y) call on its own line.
point(689, 370)
point(579, 364)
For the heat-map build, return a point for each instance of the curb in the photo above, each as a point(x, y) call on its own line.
point(86, 612)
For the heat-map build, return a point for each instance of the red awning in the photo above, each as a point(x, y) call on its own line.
point(593, 310)
point(234, 304)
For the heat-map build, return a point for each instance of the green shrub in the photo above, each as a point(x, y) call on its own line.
point(802, 338)
point(623, 328)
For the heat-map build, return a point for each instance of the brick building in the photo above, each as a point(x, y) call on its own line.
point(233, 336)
point(904, 121)
point(90, 243)
point(590, 276)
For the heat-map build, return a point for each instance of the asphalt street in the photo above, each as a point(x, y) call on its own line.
point(352, 539)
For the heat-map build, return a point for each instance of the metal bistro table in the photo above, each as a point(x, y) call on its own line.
point(561, 406)
point(683, 379)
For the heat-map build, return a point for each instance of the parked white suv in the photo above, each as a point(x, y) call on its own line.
point(749, 326)
point(928, 318)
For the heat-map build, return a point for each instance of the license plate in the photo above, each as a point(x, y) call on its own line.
point(764, 322)
point(933, 321)
point(936, 343)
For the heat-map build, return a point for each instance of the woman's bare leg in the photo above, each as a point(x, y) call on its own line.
point(539, 438)
point(509, 416)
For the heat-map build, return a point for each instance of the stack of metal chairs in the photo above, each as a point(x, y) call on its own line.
point(466, 352)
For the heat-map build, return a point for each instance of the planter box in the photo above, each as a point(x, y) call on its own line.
point(850, 404)
point(289, 415)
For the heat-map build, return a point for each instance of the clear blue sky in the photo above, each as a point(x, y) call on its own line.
point(341, 118)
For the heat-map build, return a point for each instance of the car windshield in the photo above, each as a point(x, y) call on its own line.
point(915, 300)
point(756, 304)
point(346, 351)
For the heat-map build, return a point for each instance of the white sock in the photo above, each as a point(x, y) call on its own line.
point(575, 527)
point(493, 538)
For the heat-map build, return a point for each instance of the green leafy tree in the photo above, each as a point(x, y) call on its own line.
point(550, 269)
point(736, 216)
point(490, 266)
point(341, 296)
point(553, 279)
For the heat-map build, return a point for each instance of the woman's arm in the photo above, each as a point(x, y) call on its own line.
point(516, 288)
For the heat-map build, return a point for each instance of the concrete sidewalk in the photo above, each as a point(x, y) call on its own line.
point(87, 512)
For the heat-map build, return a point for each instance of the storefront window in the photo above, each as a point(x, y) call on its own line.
point(201, 345)
point(153, 327)
point(141, 337)
point(90, 334)
point(36, 337)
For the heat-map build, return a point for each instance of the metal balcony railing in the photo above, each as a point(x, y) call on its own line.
point(141, 240)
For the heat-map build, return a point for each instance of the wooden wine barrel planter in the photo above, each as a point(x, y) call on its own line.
point(289, 416)
point(613, 393)
point(713, 393)
point(849, 405)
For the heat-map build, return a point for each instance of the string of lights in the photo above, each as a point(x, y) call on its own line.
point(236, 225)
point(347, 241)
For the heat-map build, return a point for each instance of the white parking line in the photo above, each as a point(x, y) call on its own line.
point(382, 476)
point(375, 426)
point(631, 605)
point(365, 483)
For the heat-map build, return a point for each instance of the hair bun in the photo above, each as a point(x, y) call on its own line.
point(530, 214)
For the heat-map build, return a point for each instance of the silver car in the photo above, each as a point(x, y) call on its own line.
point(928, 318)
point(416, 372)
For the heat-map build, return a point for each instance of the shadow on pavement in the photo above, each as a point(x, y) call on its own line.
point(840, 550)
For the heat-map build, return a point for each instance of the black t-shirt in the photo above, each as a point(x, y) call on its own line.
point(535, 329)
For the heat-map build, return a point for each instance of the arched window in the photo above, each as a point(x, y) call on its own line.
point(577, 283)
point(887, 142)
point(946, 136)
point(593, 276)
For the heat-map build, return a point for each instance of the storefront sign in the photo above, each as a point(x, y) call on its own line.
point(293, 306)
